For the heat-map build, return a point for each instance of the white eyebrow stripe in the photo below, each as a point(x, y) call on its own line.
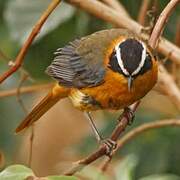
point(143, 58)
point(120, 62)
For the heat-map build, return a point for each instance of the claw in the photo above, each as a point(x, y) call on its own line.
point(110, 146)
point(129, 114)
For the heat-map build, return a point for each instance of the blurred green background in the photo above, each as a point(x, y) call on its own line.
point(155, 152)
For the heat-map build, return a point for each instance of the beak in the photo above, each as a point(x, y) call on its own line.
point(130, 81)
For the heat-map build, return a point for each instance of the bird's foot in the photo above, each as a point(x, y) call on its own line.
point(110, 146)
point(129, 114)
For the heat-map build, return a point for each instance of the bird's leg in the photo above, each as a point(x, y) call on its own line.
point(129, 114)
point(93, 126)
point(110, 144)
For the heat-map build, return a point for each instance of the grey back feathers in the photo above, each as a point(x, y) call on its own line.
point(73, 70)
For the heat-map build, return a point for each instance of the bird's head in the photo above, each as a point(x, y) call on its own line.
point(131, 58)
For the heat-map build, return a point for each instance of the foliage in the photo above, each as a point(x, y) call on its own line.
point(19, 172)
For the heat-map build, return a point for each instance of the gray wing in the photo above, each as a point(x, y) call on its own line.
point(71, 69)
point(81, 63)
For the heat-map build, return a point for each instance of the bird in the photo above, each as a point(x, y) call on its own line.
point(107, 70)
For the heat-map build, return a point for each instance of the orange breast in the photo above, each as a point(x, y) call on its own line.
point(114, 94)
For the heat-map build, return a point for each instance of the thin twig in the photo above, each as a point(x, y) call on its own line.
point(104, 166)
point(177, 37)
point(176, 67)
point(168, 87)
point(119, 19)
point(106, 13)
point(116, 5)
point(20, 57)
point(123, 122)
point(174, 71)
point(31, 140)
point(9, 61)
point(162, 20)
point(145, 127)
point(24, 77)
point(143, 11)
point(26, 89)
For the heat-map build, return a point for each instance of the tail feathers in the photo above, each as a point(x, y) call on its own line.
point(43, 106)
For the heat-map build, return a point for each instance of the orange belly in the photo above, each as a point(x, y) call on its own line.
point(113, 93)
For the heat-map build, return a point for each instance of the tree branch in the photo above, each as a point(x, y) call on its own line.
point(143, 11)
point(162, 20)
point(167, 86)
point(26, 89)
point(145, 127)
point(116, 5)
point(177, 37)
point(20, 57)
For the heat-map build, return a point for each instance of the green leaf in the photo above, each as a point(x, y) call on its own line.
point(62, 178)
point(161, 177)
point(93, 173)
point(125, 169)
point(21, 15)
point(15, 172)
point(19, 172)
